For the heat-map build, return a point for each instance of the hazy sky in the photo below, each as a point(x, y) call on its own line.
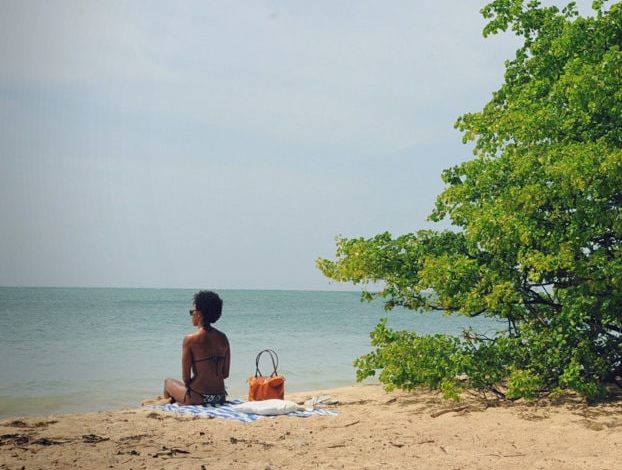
point(224, 144)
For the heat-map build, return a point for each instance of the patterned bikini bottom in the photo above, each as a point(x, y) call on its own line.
point(213, 398)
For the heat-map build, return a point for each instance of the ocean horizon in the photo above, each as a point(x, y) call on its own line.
point(78, 349)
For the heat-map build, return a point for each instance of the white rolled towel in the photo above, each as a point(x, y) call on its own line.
point(270, 407)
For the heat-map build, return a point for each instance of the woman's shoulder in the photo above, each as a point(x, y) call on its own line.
point(192, 337)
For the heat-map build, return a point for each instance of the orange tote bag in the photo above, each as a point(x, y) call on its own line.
point(261, 387)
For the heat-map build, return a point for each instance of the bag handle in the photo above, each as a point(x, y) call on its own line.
point(273, 357)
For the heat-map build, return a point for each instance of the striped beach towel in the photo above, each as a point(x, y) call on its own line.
point(227, 412)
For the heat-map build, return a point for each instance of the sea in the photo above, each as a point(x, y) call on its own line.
point(67, 350)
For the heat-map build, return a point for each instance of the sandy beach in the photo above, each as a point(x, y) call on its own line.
point(374, 429)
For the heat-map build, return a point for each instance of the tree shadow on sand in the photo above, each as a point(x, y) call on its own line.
point(604, 414)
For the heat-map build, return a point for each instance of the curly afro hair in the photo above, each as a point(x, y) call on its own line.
point(210, 306)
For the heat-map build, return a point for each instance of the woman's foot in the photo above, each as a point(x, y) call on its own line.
point(159, 400)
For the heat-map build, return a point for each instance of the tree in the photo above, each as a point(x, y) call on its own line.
point(537, 225)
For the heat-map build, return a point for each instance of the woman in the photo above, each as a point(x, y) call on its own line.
point(205, 357)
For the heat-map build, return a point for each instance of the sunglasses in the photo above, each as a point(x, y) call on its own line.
point(192, 311)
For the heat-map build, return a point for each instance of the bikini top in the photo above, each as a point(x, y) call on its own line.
point(216, 360)
point(210, 358)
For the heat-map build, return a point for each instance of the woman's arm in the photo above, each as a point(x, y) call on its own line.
point(186, 361)
point(226, 363)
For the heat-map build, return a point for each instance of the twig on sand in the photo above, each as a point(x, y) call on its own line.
point(93, 438)
point(357, 402)
point(170, 452)
point(436, 414)
point(44, 441)
point(352, 423)
point(344, 426)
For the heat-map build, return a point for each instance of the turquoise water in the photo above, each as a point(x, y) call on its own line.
point(80, 349)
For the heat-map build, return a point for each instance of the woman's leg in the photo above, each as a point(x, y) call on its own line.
point(176, 390)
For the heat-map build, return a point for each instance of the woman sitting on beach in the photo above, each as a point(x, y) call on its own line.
point(205, 357)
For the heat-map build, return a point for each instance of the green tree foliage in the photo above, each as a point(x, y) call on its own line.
point(538, 225)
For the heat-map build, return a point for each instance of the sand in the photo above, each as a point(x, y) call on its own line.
point(374, 429)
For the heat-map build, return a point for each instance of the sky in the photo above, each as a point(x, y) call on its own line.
point(213, 144)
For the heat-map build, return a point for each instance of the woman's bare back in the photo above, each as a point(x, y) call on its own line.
point(209, 357)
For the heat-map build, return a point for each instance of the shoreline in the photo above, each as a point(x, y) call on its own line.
point(65, 406)
point(373, 429)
